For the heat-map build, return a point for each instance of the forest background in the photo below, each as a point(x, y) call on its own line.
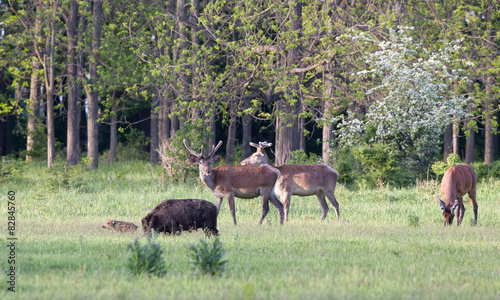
point(380, 90)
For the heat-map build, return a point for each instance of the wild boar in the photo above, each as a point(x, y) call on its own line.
point(120, 226)
point(175, 215)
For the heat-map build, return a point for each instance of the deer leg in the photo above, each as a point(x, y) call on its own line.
point(274, 200)
point(334, 202)
point(265, 208)
point(322, 202)
point(230, 199)
point(472, 198)
point(218, 203)
point(460, 212)
point(286, 197)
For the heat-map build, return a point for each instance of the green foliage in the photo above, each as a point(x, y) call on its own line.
point(134, 146)
point(439, 167)
point(39, 150)
point(413, 220)
point(174, 156)
point(484, 171)
point(379, 165)
point(11, 168)
point(346, 165)
point(207, 256)
point(62, 176)
point(147, 258)
point(299, 157)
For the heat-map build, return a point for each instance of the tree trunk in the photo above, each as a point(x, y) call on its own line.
point(231, 139)
point(288, 132)
point(33, 105)
point(448, 142)
point(489, 146)
point(73, 128)
point(163, 120)
point(174, 122)
point(153, 153)
point(302, 137)
point(93, 101)
point(246, 149)
point(327, 127)
point(179, 58)
point(488, 134)
point(195, 41)
point(209, 133)
point(49, 84)
point(456, 131)
point(113, 134)
point(79, 83)
point(469, 146)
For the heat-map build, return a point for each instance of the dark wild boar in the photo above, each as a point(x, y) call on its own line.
point(119, 226)
point(175, 215)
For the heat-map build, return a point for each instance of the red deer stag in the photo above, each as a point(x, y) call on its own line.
point(300, 180)
point(457, 181)
point(244, 182)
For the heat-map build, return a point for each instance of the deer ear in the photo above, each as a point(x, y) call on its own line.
point(441, 203)
point(113, 222)
point(215, 158)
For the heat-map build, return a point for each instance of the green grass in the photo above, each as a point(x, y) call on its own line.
point(373, 252)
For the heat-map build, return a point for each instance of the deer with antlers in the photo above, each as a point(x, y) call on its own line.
point(244, 182)
point(457, 181)
point(300, 180)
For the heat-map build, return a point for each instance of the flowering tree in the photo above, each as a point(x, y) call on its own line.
point(414, 94)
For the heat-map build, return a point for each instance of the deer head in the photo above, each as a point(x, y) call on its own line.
point(205, 163)
point(448, 213)
point(259, 157)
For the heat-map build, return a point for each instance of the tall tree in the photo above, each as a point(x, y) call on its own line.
point(73, 128)
point(34, 100)
point(91, 89)
point(288, 125)
point(49, 68)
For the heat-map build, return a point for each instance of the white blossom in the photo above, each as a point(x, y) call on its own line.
point(415, 97)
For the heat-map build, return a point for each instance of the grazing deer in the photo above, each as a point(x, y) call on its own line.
point(457, 181)
point(300, 180)
point(244, 182)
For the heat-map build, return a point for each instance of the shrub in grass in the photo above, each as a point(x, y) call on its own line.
point(147, 258)
point(207, 256)
point(413, 220)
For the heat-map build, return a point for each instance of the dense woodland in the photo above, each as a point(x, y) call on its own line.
point(386, 84)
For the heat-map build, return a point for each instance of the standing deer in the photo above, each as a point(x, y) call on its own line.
point(300, 180)
point(457, 181)
point(244, 182)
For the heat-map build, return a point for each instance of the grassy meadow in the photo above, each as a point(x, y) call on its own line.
point(389, 244)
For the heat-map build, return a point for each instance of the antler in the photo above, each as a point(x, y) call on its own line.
point(261, 144)
point(214, 149)
point(454, 207)
point(199, 155)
